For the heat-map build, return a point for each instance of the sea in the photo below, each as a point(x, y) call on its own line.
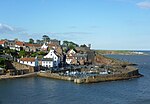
point(38, 90)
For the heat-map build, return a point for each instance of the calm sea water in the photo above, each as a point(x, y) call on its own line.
point(49, 91)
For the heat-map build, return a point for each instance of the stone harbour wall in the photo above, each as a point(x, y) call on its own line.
point(111, 77)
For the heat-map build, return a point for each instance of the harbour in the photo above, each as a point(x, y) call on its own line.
point(33, 90)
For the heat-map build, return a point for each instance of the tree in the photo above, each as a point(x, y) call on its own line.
point(22, 53)
point(70, 44)
point(83, 45)
point(38, 41)
point(46, 38)
point(2, 62)
point(34, 54)
point(42, 53)
point(31, 41)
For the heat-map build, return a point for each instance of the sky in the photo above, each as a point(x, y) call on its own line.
point(106, 24)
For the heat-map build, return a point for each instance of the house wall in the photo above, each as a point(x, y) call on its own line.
point(55, 58)
point(47, 64)
point(68, 61)
point(28, 63)
point(2, 45)
point(19, 66)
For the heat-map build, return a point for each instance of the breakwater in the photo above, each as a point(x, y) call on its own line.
point(55, 76)
point(109, 77)
point(93, 79)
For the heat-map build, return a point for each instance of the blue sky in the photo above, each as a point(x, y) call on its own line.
point(106, 24)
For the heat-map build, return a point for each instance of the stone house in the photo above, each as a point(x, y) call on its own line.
point(54, 41)
point(3, 43)
point(11, 44)
point(32, 47)
point(72, 57)
point(81, 58)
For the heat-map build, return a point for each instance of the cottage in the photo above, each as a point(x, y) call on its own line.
point(51, 59)
point(71, 52)
point(52, 46)
point(31, 61)
point(47, 62)
point(44, 47)
point(70, 56)
point(81, 58)
point(3, 43)
point(19, 45)
point(11, 44)
point(54, 41)
point(32, 47)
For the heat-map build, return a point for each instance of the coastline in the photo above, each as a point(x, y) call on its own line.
point(93, 79)
point(18, 76)
point(120, 52)
point(84, 80)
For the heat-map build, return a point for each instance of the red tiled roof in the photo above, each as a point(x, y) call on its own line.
point(2, 41)
point(52, 45)
point(36, 45)
point(31, 59)
point(19, 43)
point(32, 45)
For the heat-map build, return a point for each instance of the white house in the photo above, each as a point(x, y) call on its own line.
point(71, 52)
point(70, 56)
point(44, 47)
point(19, 45)
point(31, 61)
point(47, 62)
point(51, 59)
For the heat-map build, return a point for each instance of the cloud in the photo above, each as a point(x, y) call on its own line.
point(145, 4)
point(7, 29)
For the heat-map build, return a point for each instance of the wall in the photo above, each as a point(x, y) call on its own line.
point(20, 66)
point(102, 78)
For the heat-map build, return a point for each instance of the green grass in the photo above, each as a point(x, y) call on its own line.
point(113, 51)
